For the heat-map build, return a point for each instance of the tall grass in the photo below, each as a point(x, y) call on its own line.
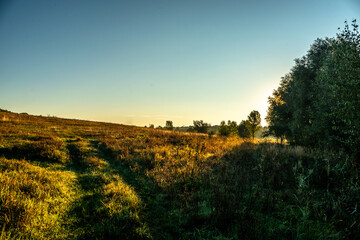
point(71, 179)
point(34, 200)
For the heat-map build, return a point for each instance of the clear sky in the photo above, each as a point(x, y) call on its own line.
point(142, 62)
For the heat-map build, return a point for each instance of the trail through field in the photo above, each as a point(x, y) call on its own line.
point(156, 213)
point(86, 208)
point(108, 205)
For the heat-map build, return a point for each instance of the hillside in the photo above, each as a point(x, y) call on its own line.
point(74, 179)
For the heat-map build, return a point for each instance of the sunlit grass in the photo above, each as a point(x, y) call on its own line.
point(34, 200)
point(122, 200)
point(95, 162)
point(70, 179)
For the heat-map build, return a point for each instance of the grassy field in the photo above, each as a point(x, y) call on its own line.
point(72, 179)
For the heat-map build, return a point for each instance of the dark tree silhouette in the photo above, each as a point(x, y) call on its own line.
point(254, 123)
point(223, 129)
point(243, 129)
point(200, 126)
point(169, 125)
point(318, 101)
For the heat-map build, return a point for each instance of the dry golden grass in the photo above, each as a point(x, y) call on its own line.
point(95, 162)
point(34, 200)
point(72, 179)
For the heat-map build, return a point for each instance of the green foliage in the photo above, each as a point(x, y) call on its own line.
point(254, 121)
point(169, 125)
point(231, 128)
point(338, 101)
point(243, 129)
point(317, 103)
point(223, 129)
point(278, 114)
point(281, 192)
point(200, 126)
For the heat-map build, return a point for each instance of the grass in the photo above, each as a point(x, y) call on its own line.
point(34, 200)
point(72, 179)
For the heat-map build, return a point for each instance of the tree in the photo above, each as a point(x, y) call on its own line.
point(190, 129)
point(233, 128)
point(318, 101)
point(223, 129)
point(169, 125)
point(291, 108)
point(200, 126)
point(338, 99)
point(243, 130)
point(254, 123)
point(278, 114)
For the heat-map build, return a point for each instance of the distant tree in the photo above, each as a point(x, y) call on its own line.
point(254, 123)
point(233, 128)
point(211, 133)
point(159, 127)
point(200, 126)
point(223, 129)
point(190, 129)
point(151, 126)
point(169, 125)
point(243, 129)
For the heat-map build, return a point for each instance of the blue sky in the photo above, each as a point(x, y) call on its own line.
point(143, 62)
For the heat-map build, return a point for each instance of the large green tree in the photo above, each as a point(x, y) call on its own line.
point(279, 114)
point(318, 101)
point(338, 98)
point(291, 108)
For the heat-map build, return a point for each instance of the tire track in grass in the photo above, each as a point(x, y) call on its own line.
point(107, 208)
point(156, 214)
point(85, 209)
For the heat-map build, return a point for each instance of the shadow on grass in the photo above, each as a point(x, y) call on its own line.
point(91, 216)
point(163, 223)
point(44, 151)
point(85, 211)
point(76, 158)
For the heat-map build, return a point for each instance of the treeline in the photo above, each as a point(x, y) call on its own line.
point(245, 129)
point(318, 101)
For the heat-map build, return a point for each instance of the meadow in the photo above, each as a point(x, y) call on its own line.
point(73, 179)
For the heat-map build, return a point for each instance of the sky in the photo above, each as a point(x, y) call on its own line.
point(142, 62)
